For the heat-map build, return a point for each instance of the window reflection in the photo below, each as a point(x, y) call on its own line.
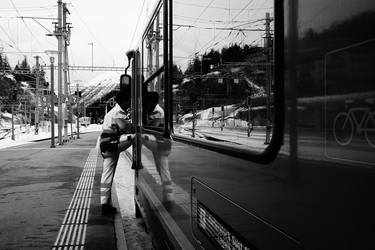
point(153, 51)
point(157, 162)
point(153, 40)
point(223, 71)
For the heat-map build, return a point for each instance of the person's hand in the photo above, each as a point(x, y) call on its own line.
point(125, 141)
point(124, 126)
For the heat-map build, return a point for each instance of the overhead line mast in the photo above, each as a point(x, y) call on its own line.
point(59, 35)
point(66, 31)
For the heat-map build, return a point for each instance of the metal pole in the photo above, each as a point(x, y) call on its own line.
point(268, 79)
point(92, 55)
point(60, 67)
point(13, 138)
point(52, 59)
point(30, 114)
point(77, 111)
point(194, 116)
point(222, 118)
point(37, 97)
point(157, 50)
point(25, 116)
point(249, 126)
point(65, 68)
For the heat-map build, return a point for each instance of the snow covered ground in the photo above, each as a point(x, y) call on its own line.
point(28, 135)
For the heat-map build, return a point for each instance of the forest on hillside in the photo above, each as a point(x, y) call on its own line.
point(18, 82)
point(223, 77)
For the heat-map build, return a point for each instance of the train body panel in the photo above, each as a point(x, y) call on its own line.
point(222, 73)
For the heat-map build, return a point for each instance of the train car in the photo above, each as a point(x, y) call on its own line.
point(268, 135)
point(85, 121)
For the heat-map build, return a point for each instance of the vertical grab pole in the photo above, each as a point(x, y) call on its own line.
point(136, 109)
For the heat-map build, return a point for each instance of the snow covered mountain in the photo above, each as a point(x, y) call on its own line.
point(100, 86)
point(95, 89)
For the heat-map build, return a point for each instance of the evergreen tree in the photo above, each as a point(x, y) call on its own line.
point(4, 64)
point(237, 66)
point(6, 80)
point(25, 75)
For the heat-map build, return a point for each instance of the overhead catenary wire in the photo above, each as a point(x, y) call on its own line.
point(110, 56)
point(210, 21)
point(136, 26)
point(208, 44)
point(216, 35)
point(235, 33)
point(217, 7)
point(10, 38)
point(18, 9)
point(30, 8)
point(49, 32)
point(196, 19)
point(28, 28)
point(218, 28)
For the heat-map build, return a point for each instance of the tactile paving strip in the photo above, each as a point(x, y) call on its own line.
point(72, 233)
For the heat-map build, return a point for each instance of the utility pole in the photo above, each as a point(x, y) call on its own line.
point(267, 47)
point(37, 97)
point(59, 65)
point(65, 51)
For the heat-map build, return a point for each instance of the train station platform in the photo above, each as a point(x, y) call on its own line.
point(79, 222)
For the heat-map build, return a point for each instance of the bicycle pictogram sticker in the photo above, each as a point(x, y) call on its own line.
point(355, 120)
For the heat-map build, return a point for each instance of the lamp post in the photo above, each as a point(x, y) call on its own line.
point(52, 99)
point(77, 102)
point(92, 55)
point(52, 59)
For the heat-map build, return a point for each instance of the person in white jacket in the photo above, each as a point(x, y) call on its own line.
point(117, 134)
point(154, 112)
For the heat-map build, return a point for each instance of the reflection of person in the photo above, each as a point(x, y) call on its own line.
point(154, 113)
point(161, 148)
point(114, 139)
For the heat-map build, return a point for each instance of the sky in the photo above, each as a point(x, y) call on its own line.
point(113, 26)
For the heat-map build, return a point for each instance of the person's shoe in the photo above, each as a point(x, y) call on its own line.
point(107, 209)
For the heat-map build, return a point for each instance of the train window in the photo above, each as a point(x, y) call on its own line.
point(153, 70)
point(223, 72)
point(153, 49)
point(349, 102)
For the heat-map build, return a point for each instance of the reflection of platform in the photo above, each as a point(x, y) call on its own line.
point(311, 145)
point(134, 229)
point(135, 234)
point(236, 137)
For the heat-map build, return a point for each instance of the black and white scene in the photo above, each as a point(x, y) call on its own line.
point(175, 124)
